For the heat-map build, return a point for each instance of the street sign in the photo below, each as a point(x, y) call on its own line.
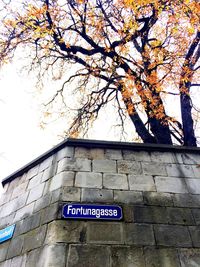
point(7, 233)
point(92, 212)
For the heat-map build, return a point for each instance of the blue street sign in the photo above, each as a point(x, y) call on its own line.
point(7, 233)
point(92, 212)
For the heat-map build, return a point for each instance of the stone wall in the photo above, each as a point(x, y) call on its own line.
point(157, 187)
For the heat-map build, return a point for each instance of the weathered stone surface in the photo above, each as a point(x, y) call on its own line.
point(20, 189)
point(27, 224)
point(46, 163)
point(172, 236)
point(36, 180)
point(49, 172)
point(19, 261)
point(24, 212)
point(42, 202)
point(104, 165)
point(179, 170)
point(196, 170)
point(15, 247)
point(88, 256)
point(32, 172)
point(139, 234)
point(113, 154)
point(153, 169)
point(186, 200)
point(105, 233)
point(191, 158)
point(161, 257)
point(71, 164)
point(52, 256)
point(71, 194)
point(136, 155)
point(127, 257)
point(128, 197)
point(50, 213)
point(193, 185)
point(166, 157)
point(157, 199)
point(190, 257)
point(65, 178)
point(195, 235)
point(96, 195)
point(66, 152)
point(141, 183)
point(5, 221)
point(196, 214)
point(150, 214)
point(56, 195)
point(91, 180)
point(33, 258)
point(181, 216)
point(129, 167)
point(35, 193)
point(3, 250)
point(65, 232)
point(115, 181)
point(34, 239)
point(170, 185)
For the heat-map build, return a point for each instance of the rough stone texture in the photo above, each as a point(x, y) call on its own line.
point(159, 193)
point(127, 256)
point(88, 256)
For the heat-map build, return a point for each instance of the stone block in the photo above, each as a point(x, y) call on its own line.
point(24, 212)
point(56, 195)
point(136, 155)
point(166, 157)
point(20, 189)
point(71, 194)
point(90, 153)
point(91, 180)
point(196, 214)
point(104, 233)
point(186, 200)
point(113, 154)
point(115, 181)
point(27, 224)
point(6, 264)
point(15, 248)
point(189, 257)
point(66, 152)
point(170, 185)
point(5, 221)
point(179, 170)
point(195, 235)
point(193, 185)
point(4, 198)
point(97, 153)
point(154, 169)
point(96, 195)
point(88, 256)
point(42, 202)
point(82, 152)
point(62, 179)
point(196, 170)
point(35, 238)
point(181, 216)
point(141, 182)
point(69, 164)
point(52, 256)
point(32, 172)
point(49, 172)
point(4, 250)
point(172, 236)
point(36, 180)
point(50, 213)
point(127, 257)
point(65, 232)
point(157, 199)
point(129, 167)
point(104, 165)
point(33, 258)
point(128, 197)
point(139, 234)
point(35, 193)
point(46, 163)
point(150, 214)
point(161, 257)
point(18, 261)
point(191, 158)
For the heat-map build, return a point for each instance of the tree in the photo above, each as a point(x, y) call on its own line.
point(132, 53)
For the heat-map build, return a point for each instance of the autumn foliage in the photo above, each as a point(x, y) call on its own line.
point(134, 53)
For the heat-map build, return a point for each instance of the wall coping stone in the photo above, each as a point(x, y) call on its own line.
point(88, 143)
